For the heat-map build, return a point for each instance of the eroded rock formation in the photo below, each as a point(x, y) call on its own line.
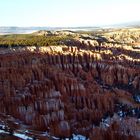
point(70, 90)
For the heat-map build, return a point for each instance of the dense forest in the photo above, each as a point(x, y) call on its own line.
point(22, 40)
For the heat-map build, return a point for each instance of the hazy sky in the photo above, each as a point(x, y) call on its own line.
point(68, 12)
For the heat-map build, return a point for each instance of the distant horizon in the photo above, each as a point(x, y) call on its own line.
point(133, 23)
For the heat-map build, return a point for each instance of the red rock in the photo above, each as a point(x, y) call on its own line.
point(66, 92)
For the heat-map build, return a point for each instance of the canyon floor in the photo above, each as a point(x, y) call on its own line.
point(85, 86)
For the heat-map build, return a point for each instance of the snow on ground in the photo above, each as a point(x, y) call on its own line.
point(78, 137)
point(121, 113)
point(2, 126)
point(2, 131)
point(23, 136)
point(138, 98)
point(75, 137)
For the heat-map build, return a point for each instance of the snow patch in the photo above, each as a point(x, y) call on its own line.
point(2, 131)
point(23, 136)
point(78, 137)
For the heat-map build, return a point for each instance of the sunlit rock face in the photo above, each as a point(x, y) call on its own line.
point(72, 89)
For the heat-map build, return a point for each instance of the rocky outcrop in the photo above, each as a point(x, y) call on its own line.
point(67, 91)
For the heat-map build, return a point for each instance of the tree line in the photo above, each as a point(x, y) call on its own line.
point(30, 40)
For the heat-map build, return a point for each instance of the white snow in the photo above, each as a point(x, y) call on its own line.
point(106, 122)
point(75, 137)
point(55, 138)
point(107, 125)
point(23, 136)
point(138, 99)
point(133, 111)
point(2, 131)
point(46, 134)
point(16, 122)
point(121, 113)
point(78, 137)
point(2, 126)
